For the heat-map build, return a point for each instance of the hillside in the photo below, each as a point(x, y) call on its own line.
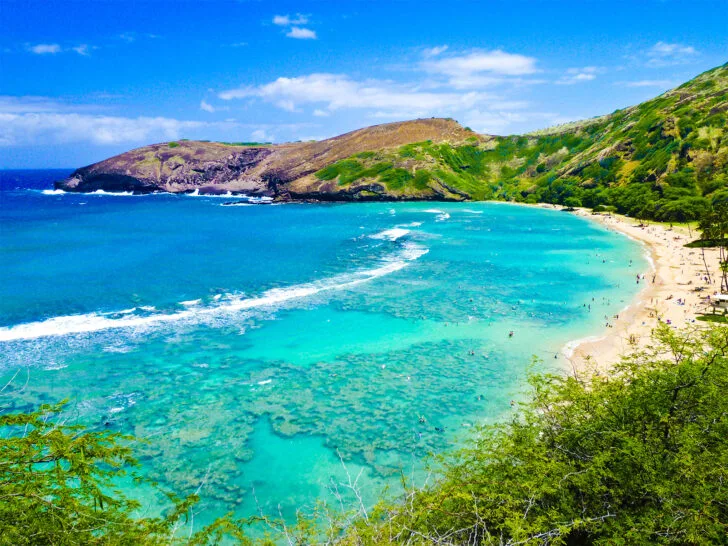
point(212, 167)
point(666, 158)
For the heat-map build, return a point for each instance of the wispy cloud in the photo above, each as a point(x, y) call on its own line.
point(338, 91)
point(479, 62)
point(579, 75)
point(33, 120)
point(44, 49)
point(128, 37)
point(206, 106)
point(287, 20)
point(668, 54)
point(447, 85)
point(262, 135)
point(477, 69)
point(49, 128)
point(301, 33)
point(293, 25)
point(648, 83)
point(82, 50)
point(434, 51)
point(30, 120)
point(498, 121)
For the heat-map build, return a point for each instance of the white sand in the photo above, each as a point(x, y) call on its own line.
point(677, 272)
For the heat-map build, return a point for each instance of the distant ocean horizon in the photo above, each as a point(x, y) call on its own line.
point(266, 350)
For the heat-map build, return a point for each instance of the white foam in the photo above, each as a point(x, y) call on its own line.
point(390, 234)
point(114, 193)
point(441, 214)
point(191, 303)
point(570, 347)
point(95, 322)
point(53, 192)
point(411, 224)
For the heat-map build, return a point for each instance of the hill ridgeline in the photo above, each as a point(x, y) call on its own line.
point(664, 159)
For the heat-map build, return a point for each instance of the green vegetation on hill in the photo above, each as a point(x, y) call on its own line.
point(665, 159)
point(639, 456)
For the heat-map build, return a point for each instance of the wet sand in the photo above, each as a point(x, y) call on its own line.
point(669, 294)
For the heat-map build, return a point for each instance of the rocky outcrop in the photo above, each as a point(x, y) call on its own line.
point(265, 170)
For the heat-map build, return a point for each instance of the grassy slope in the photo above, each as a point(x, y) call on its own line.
point(664, 159)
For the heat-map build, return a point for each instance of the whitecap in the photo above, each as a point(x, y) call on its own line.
point(95, 322)
point(441, 214)
point(53, 192)
point(390, 234)
point(52, 367)
point(113, 193)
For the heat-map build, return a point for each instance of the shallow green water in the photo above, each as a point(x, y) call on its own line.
point(259, 347)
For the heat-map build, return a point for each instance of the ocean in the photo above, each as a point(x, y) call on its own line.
point(269, 353)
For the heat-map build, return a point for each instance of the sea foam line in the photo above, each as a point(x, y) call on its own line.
point(97, 192)
point(390, 234)
point(441, 214)
point(95, 322)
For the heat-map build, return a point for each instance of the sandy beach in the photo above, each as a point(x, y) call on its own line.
point(669, 294)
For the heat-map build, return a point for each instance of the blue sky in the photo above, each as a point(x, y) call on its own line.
point(83, 80)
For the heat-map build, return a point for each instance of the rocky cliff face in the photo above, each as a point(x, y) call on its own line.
point(215, 168)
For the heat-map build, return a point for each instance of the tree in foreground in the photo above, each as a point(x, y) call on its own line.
point(58, 486)
point(639, 456)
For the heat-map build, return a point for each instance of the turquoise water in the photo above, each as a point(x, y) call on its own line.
point(266, 350)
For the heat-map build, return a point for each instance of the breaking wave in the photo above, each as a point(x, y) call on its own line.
point(196, 311)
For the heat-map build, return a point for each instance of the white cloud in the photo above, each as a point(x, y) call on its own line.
point(648, 83)
point(434, 51)
point(53, 128)
point(30, 120)
point(448, 84)
point(497, 122)
point(82, 50)
point(301, 33)
point(286, 20)
point(44, 49)
point(34, 104)
point(667, 54)
point(579, 75)
point(207, 107)
point(479, 62)
point(261, 135)
point(42, 121)
point(338, 91)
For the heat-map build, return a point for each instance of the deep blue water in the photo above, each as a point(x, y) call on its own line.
point(261, 348)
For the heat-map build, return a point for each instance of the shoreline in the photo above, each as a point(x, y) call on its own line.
point(669, 294)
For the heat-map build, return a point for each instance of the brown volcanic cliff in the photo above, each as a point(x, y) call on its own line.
point(270, 170)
